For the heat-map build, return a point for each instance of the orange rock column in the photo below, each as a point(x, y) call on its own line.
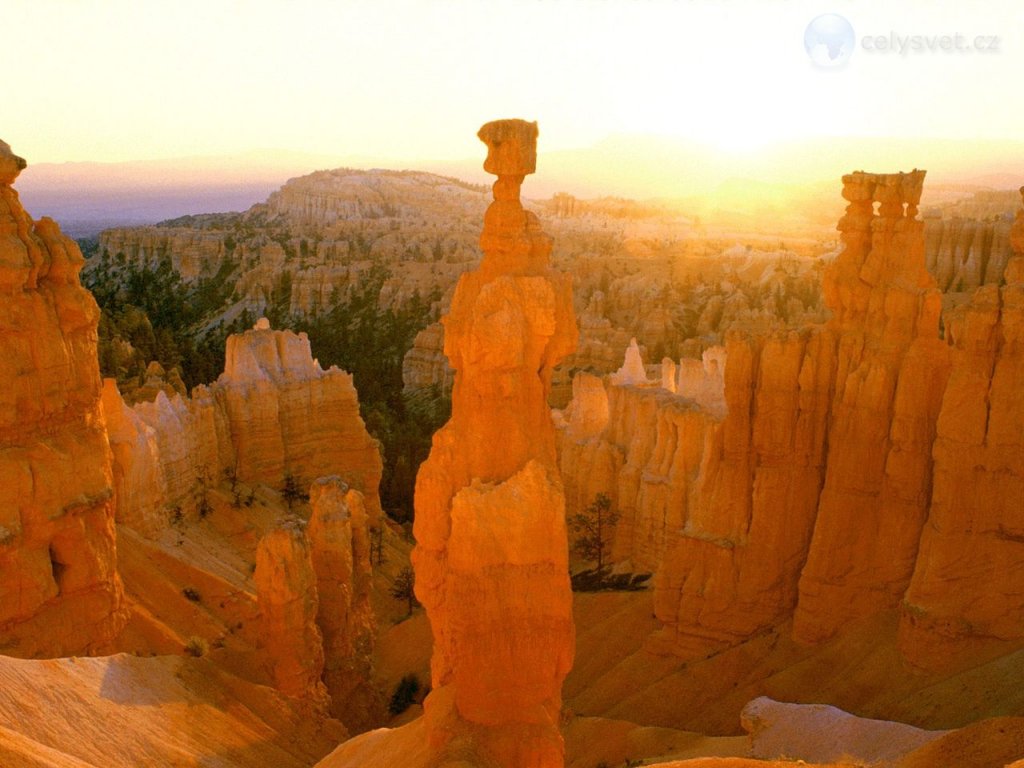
point(491, 557)
point(288, 601)
point(891, 371)
point(339, 541)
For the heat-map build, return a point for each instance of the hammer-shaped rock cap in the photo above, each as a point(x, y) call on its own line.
point(511, 147)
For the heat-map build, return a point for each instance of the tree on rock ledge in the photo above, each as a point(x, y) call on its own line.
point(593, 528)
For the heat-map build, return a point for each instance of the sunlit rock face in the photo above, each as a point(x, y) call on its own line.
point(272, 414)
point(289, 416)
point(491, 557)
point(716, 476)
point(140, 480)
point(730, 567)
point(59, 589)
point(891, 372)
point(969, 577)
point(316, 622)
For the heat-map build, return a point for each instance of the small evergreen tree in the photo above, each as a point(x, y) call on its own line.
point(404, 588)
point(291, 491)
point(404, 695)
point(593, 528)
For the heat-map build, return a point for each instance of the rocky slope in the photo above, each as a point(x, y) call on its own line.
point(127, 711)
point(60, 592)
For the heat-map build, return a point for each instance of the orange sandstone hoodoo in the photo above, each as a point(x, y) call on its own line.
point(491, 556)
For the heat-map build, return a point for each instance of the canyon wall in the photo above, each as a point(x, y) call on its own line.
point(963, 253)
point(848, 469)
point(491, 557)
point(60, 593)
point(273, 413)
point(192, 252)
point(717, 481)
point(969, 573)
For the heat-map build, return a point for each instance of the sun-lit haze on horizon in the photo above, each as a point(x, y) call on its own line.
point(631, 95)
point(121, 80)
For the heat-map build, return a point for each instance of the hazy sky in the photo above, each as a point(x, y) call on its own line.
point(131, 79)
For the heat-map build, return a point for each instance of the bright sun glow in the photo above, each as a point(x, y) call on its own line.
point(406, 82)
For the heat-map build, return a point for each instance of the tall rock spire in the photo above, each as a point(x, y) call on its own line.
point(491, 556)
point(891, 371)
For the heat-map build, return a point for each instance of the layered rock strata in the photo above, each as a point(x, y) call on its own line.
point(731, 567)
point(60, 593)
point(491, 556)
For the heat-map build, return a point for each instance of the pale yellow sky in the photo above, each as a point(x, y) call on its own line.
point(129, 79)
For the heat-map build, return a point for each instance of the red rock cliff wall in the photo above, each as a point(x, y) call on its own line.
point(59, 589)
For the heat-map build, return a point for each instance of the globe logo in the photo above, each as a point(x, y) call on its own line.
point(829, 40)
